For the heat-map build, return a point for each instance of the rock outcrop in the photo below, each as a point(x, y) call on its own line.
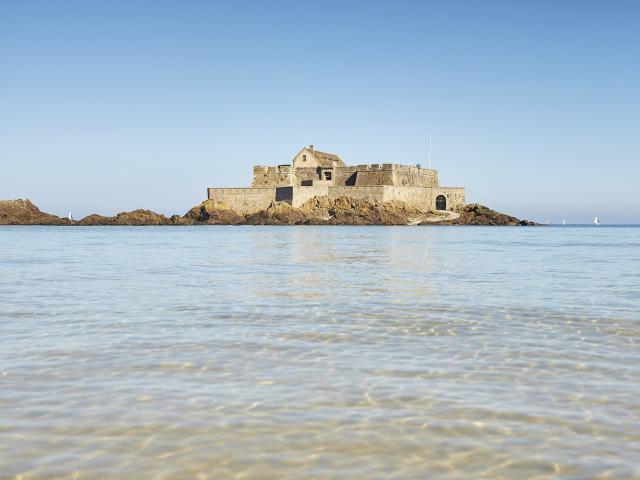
point(339, 211)
point(316, 211)
point(213, 213)
point(135, 217)
point(23, 212)
point(476, 214)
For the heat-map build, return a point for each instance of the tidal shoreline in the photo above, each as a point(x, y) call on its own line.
point(317, 211)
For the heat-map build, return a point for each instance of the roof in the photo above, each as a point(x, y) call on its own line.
point(326, 159)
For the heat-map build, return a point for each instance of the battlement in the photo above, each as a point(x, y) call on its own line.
point(390, 166)
point(262, 169)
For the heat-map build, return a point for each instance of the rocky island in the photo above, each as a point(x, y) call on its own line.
point(316, 211)
point(316, 188)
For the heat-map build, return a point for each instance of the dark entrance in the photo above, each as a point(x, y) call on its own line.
point(441, 202)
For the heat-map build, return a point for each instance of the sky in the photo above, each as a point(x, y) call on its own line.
point(534, 107)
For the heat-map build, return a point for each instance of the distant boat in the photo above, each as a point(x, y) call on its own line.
point(564, 222)
point(596, 221)
point(70, 217)
point(548, 222)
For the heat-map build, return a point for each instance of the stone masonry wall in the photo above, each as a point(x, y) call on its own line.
point(249, 200)
point(418, 197)
point(345, 175)
point(264, 177)
point(455, 196)
point(360, 175)
point(302, 194)
point(243, 200)
point(425, 198)
point(415, 177)
point(375, 174)
point(375, 192)
point(386, 174)
point(306, 174)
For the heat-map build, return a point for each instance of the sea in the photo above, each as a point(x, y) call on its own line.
point(216, 352)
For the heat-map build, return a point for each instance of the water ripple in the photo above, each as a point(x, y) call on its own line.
point(317, 352)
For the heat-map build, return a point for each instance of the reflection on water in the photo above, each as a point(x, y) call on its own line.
point(319, 352)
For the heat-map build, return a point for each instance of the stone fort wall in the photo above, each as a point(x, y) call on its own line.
point(269, 177)
point(424, 198)
point(243, 200)
point(389, 174)
point(358, 175)
point(249, 200)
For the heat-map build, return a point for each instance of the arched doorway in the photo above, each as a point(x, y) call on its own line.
point(441, 202)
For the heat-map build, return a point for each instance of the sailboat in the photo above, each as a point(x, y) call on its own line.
point(564, 222)
point(70, 217)
point(596, 221)
point(549, 222)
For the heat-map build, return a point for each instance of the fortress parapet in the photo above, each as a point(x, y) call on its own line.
point(268, 177)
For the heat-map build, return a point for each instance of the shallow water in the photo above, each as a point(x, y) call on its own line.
point(319, 352)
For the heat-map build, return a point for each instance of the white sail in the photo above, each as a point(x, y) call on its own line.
point(564, 222)
point(596, 221)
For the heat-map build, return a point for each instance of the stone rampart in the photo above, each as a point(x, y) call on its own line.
point(386, 174)
point(302, 194)
point(306, 174)
point(345, 175)
point(454, 195)
point(375, 174)
point(407, 176)
point(424, 198)
point(265, 177)
point(375, 192)
point(243, 200)
point(418, 197)
point(249, 200)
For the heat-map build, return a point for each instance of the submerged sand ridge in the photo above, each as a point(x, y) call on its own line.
point(316, 211)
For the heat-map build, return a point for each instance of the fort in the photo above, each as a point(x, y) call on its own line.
point(313, 173)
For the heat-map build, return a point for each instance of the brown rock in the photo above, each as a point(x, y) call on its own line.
point(316, 211)
point(213, 213)
point(476, 214)
point(134, 218)
point(23, 212)
point(339, 211)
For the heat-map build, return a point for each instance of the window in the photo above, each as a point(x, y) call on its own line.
point(304, 158)
point(327, 175)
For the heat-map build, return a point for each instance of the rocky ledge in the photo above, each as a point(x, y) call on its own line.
point(476, 214)
point(317, 211)
point(23, 212)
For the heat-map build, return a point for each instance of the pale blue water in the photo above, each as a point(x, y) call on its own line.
point(319, 352)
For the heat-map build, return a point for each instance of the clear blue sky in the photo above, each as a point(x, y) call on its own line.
point(534, 107)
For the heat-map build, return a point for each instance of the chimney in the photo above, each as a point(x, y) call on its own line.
point(311, 147)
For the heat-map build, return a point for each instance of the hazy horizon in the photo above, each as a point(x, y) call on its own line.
point(533, 107)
